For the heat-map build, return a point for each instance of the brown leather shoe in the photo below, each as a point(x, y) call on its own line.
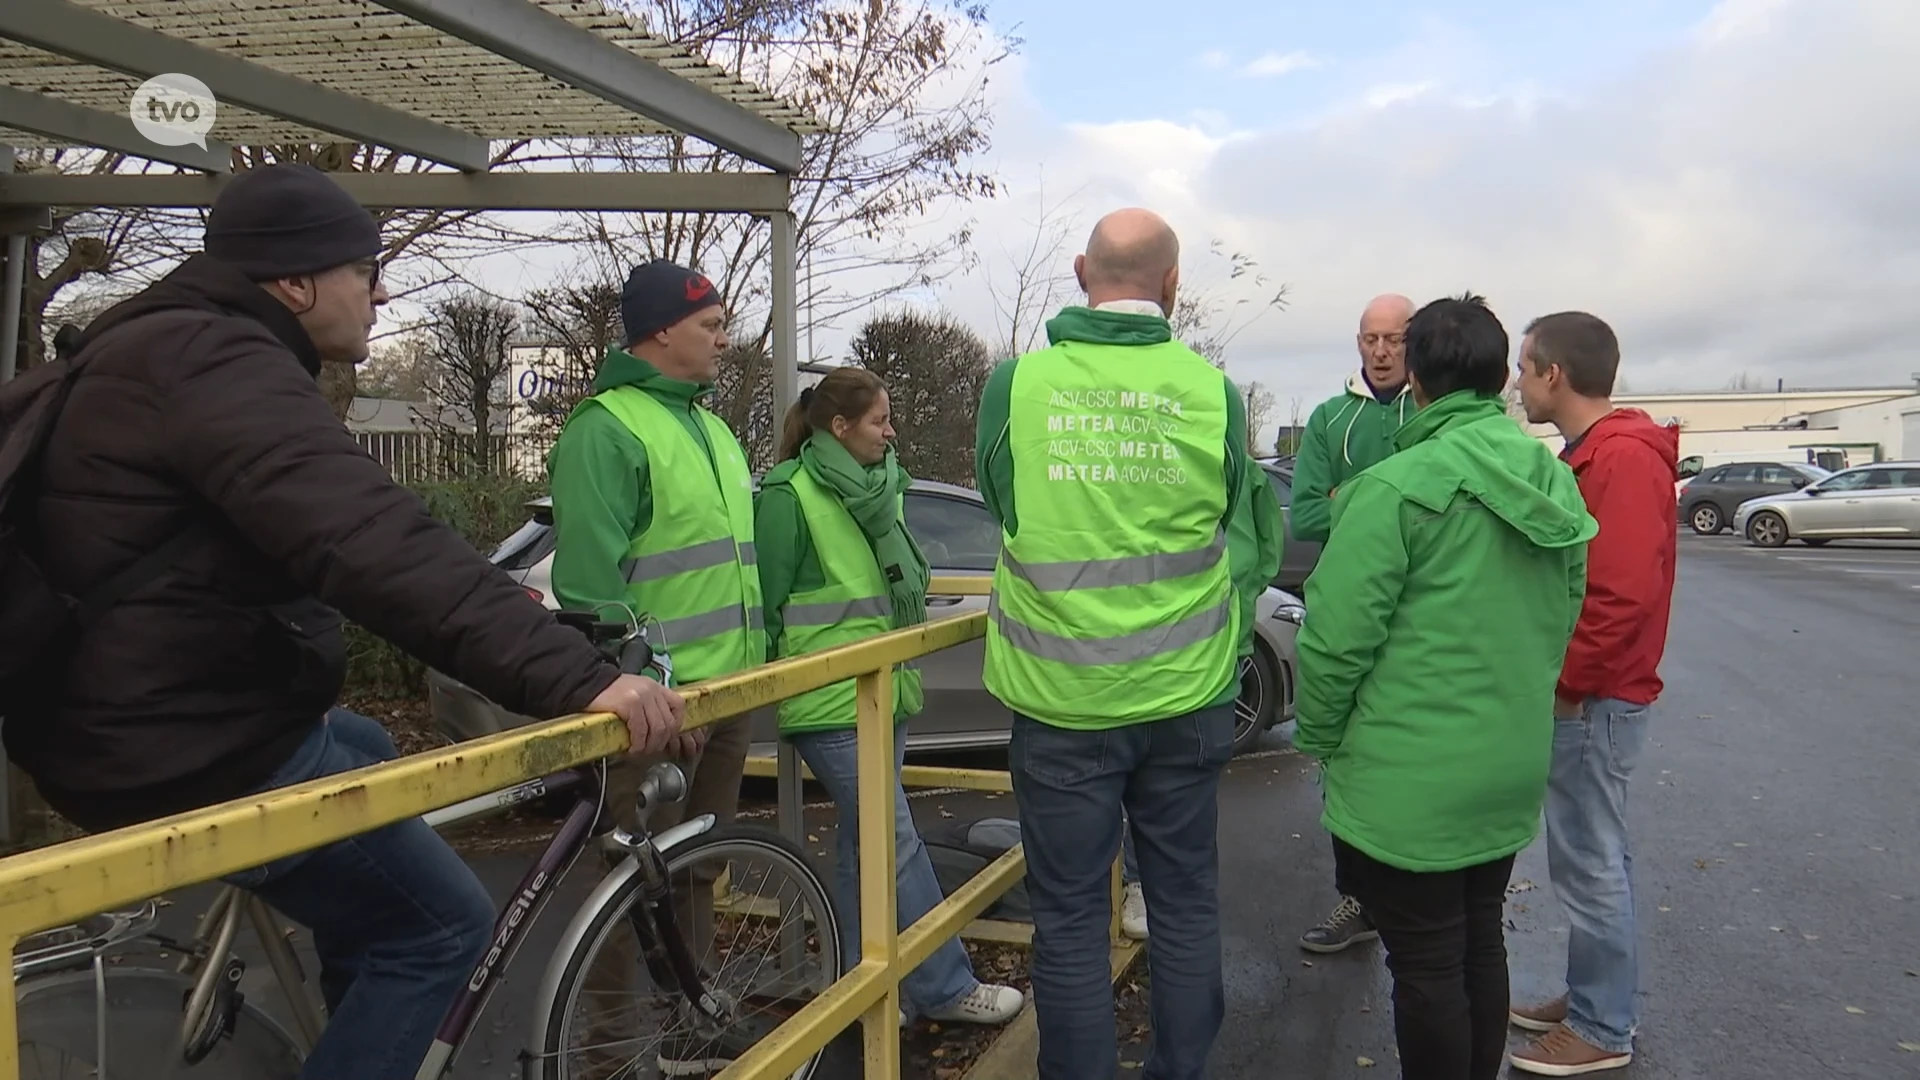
point(1562, 1053)
point(1543, 1017)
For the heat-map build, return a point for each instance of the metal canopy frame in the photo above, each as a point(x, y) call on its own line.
point(288, 73)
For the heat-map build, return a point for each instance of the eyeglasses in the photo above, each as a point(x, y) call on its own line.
point(372, 269)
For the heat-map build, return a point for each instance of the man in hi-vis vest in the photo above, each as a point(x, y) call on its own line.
point(1113, 461)
point(653, 515)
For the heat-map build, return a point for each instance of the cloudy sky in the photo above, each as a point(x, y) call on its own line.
point(1734, 185)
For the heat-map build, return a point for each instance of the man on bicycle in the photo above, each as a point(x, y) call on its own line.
point(653, 514)
point(196, 426)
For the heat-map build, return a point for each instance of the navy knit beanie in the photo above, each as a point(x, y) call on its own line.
point(283, 221)
point(659, 294)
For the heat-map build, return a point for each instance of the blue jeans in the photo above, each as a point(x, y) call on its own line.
point(942, 979)
point(398, 920)
point(1591, 864)
point(1071, 787)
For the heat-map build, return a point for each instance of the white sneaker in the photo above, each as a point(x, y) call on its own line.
point(1133, 912)
point(986, 1003)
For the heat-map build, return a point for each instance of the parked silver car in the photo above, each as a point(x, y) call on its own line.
point(960, 539)
point(1877, 501)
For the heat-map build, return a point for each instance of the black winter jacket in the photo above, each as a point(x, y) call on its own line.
point(198, 409)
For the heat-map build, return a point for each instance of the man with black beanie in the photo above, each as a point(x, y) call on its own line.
point(196, 455)
point(653, 517)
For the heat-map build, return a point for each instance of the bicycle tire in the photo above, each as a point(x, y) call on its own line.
point(56, 1011)
point(614, 904)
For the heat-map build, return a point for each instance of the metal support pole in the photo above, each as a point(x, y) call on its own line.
point(792, 809)
point(10, 300)
point(786, 315)
point(11, 295)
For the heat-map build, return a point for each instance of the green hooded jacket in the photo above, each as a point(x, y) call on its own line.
point(1345, 434)
point(1437, 620)
point(602, 493)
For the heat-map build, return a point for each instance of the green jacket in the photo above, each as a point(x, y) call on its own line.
point(1345, 434)
point(602, 494)
point(1253, 522)
point(1437, 620)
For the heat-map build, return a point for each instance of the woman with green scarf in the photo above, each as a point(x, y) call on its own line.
point(837, 565)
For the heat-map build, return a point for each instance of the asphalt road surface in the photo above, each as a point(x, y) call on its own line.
point(1777, 838)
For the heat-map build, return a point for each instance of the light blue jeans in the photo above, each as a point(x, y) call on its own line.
point(1591, 864)
point(943, 978)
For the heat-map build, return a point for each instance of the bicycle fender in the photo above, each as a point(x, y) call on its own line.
point(602, 895)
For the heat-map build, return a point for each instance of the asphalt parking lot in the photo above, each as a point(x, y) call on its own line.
point(1777, 838)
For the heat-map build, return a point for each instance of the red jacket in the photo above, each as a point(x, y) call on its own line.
point(1626, 468)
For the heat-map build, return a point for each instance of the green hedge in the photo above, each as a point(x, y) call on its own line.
point(483, 509)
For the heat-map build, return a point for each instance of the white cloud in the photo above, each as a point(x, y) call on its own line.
point(1215, 60)
point(1273, 65)
point(1386, 94)
point(1735, 204)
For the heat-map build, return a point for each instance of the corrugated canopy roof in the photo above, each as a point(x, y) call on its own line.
point(361, 48)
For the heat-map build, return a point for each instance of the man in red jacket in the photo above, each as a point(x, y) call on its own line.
point(1608, 683)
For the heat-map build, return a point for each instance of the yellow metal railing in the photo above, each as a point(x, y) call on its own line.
point(60, 884)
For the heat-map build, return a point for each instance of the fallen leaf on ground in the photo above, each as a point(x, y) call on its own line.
point(1856, 1010)
point(1364, 1062)
point(1909, 1047)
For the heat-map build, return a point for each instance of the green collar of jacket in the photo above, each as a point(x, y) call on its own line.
point(1092, 327)
point(1460, 407)
point(622, 368)
point(1488, 457)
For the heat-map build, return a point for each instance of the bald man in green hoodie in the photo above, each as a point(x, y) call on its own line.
point(1346, 434)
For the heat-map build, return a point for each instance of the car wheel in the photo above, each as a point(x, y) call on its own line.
point(1259, 699)
point(1767, 529)
point(1706, 519)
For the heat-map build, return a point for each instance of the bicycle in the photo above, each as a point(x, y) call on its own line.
point(194, 1019)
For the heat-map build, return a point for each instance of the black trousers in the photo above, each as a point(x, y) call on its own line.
point(1447, 951)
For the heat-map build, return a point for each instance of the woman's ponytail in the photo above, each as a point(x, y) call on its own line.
point(846, 391)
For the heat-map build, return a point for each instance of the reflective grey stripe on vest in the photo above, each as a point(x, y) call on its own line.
point(707, 624)
point(663, 564)
point(749, 554)
point(835, 612)
point(1125, 649)
point(1113, 573)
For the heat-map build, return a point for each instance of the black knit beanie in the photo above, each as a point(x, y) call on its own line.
point(659, 294)
point(283, 221)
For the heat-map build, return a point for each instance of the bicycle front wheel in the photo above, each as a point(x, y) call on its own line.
point(58, 1020)
point(759, 924)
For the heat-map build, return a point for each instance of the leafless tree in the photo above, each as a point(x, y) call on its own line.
point(901, 87)
point(400, 369)
point(1260, 405)
point(1036, 278)
point(1287, 441)
point(468, 342)
point(1221, 294)
point(92, 258)
point(935, 369)
point(573, 324)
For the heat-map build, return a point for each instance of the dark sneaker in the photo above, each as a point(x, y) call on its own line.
point(1543, 1017)
point(1347, 925)
point(694, 1053)
point(1562, 1053)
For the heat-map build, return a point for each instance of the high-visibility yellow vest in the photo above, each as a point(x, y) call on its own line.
point(1114, 603)
point(853, 604)
point(691, 575)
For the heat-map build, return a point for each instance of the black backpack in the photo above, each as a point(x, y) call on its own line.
point(39, 622)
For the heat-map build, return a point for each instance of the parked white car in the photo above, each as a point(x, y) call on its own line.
point(960, 539)
point(1881, 500)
